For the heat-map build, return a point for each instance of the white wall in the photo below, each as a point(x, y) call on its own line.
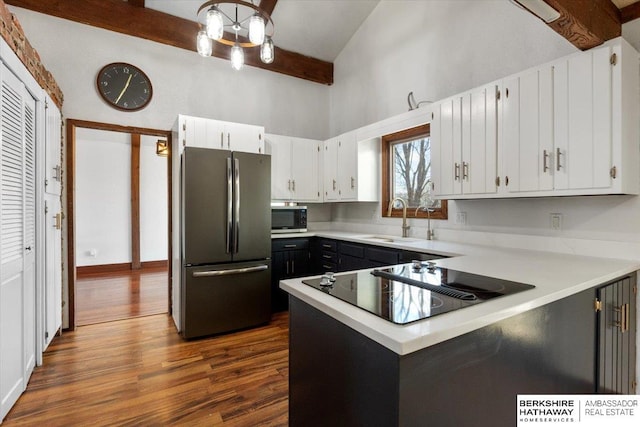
point(183, 82)
point(103, 197)
point(153, 202)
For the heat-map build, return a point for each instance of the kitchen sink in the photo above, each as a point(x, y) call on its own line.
point(389, 239)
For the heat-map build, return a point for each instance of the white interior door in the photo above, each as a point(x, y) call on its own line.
point(12, 238)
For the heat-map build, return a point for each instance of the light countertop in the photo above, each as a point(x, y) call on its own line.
point(554, 276)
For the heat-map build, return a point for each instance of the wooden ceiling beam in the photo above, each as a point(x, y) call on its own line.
point(268, 5)
point(586, 23)
point(138, 3)
point(123, 17)
point(631, 12)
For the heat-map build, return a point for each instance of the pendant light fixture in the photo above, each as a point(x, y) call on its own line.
point(247, 26)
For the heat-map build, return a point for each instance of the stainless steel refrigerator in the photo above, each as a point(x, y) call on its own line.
point(225, 241)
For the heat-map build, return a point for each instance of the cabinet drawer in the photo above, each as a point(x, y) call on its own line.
point(384, 256)
point(289, 244)
point(328, 266)
point(351, 249)
point(328, 245)
point(328, 257)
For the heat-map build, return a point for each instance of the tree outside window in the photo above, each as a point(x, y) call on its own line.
point(406, 161)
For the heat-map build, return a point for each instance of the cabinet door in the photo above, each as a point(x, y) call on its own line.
point(299, 260)
point(479, 141)
point(201, 132)
point(305, 163)
point(528, 131)
point(281, 175)
point(347, 167)
point(445, 145)
point(53, 151)
point(330, 164)
point(53, 269)
point(616, 337)
point(241, 137)
point(582, 125)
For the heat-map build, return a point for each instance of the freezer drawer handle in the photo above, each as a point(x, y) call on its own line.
point(230, 272)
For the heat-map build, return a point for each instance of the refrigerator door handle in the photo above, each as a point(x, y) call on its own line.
point(236, 206)
point(230, 272)
point(229, 204)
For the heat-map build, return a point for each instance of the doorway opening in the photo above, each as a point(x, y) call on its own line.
point(118, 204)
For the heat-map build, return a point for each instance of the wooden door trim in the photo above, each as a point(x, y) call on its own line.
point(135, 201)
point(70, 173)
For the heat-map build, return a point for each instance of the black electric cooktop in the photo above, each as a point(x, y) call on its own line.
point(406, 293)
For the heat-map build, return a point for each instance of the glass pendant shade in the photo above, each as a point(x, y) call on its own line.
point(256, 29)
point(237, 57)
point(204, 43)
point(267, 51)
point(215, 24)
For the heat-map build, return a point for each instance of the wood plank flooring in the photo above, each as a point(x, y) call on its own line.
point(104, 297)
point(140, 372)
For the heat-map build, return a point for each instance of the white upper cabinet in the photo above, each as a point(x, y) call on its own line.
point(209, 133)
point(570, 127)
point(295, 166)
point(464, 154)
point(351, 169)
point(527, 130)
point(53, 151)
point(565, 128)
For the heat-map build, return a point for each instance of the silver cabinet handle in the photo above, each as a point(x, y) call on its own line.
point(465, 171)
point(229, 204)
point(230, 272)
point(293, 185)
point(287, 264)
point(545, 161)
point(456, 171)
point(229, 140)
point(293, 266)
point(334, 185)
point(558, 153)
point(290, 246)
point(289, 185)
point(327, 256)
point(353, 183)
point(221, 139)
point(57, 173)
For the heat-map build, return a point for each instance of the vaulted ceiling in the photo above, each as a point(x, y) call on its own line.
point(309, 34)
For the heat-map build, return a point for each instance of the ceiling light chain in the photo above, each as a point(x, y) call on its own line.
point(252, 28)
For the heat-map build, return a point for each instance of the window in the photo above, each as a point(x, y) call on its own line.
point(406, 173)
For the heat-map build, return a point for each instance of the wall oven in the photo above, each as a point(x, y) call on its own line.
point(288, 219)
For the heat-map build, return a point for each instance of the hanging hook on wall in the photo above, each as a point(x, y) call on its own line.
point(412, 102)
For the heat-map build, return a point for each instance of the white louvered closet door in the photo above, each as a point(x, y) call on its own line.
point(17, 239)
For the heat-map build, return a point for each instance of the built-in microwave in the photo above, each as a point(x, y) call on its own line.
point(288, 219)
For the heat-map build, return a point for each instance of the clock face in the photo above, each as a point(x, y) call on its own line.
point(124, 86)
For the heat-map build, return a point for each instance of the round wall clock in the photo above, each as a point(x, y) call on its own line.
point(124, 86)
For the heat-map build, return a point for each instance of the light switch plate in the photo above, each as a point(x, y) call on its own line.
point(556, 221)
point(461, 218)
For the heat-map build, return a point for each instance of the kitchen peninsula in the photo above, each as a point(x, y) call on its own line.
point(466, 367)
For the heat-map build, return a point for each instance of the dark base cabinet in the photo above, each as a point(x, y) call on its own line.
point(338, 376)
point(290, 258)
point(617, 336)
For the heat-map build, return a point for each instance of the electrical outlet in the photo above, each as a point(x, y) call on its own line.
point(461, 218)
point(556, 221)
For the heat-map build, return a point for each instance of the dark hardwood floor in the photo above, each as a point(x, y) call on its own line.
point(104, 297)
point(140, 372)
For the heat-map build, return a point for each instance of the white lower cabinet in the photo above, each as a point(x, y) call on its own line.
point(53, 269)
point(295, 164)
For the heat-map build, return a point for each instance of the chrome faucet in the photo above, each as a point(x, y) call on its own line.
point(405, 227)
point(430, 232)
